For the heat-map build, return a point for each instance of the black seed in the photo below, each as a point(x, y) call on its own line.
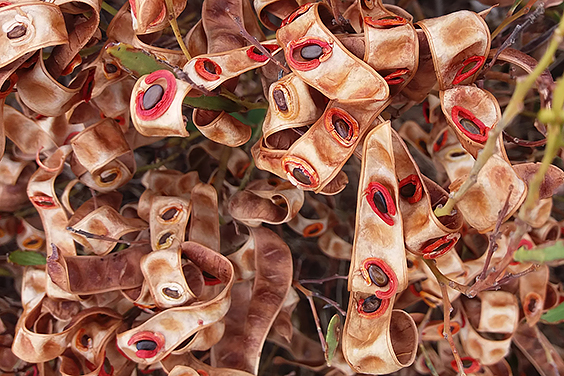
point(470, 126)
point(457, 154)
point(280, 100)
point(371, 304)
point(467, 363)
point(409, 263)
point(256, 51)
point(301, 176)
point(417, 286)
point(85, 341)
point(169, 214)
point(442, 246)
point(152, 96)
point(17, 32)
point(163, 239)
point(342, 128)
point(110, 68)
point(380, 202)
point(440, 139)
point(32, 242)
point(210, 67)
point(422, 144)
point(532, 305)
point(146, 344)
point(408, 190)
point(312, 51)
point(107, 178)
point(377, 275)
point(5, 86)
point(172, 293)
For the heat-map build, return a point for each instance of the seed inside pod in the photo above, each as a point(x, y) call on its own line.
point(5, 86)
point(169, 214)
point(470, 126)
point(467, 363)
point(210, 67)
point(107, 366)
point(172, 292)
point(380, 202)
point(146, 345)
point(110, 68)
point(301, 176)
point(532, 305)
point(17, 31)
point(152, 96)
point(280, 100)
point(377, 275)
point(108, 176)
point(86, 341)
point(408, 190)
point(342, 128)
point(163, 239)
point(371, 304)
point(311, 51)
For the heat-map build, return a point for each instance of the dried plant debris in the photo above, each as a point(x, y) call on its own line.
point(184, 186)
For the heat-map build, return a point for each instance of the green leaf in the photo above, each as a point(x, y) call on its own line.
point(333, 337)
point(554, 315)
point(25, 258)
point(5, 272)
point(541, 255)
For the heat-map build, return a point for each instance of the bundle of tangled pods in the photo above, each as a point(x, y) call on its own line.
point(185, 271)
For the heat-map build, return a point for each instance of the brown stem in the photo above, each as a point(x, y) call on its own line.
point(90, 235)
point(447, 333)
point(524, 143)
point(323, 280)
point(441, 278)
point(309, 296)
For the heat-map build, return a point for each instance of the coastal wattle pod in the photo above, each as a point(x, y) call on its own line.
point(149, 16)
point(377, 338)
point(316, 219)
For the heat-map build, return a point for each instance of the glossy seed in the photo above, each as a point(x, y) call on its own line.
point(409, 263)
point(163, 239)
point(440, 139)
point(408, 190)
point(457, 154)
point(280, 100)
point(371, 304)
point(377, 275)
point(146, 344)
point(85, 341)
point(422, 144)
point(172, 293)
point(380, 202)
point(312, 51)
point(467, 363)
point(210, 67)
point(17, 32)
point(169, 214)
point(342, 128)
point(108, 178)
point(301, 176)
point(152, 96)
point(110, 68)
point(470, 126)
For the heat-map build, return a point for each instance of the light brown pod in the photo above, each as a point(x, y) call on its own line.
point(149, 16)
point(532, 293)
point(311, 227)
point(280, 9)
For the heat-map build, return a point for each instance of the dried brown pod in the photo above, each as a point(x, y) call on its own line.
point(376, 338)
point(549, 231)
point(538, 349)
point(149, 16)
point(532, 293)
point(271, 13)
point(15, 176)
point(333, 245)
point(316, 223)
point(29, 237)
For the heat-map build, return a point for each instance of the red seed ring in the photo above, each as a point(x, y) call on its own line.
point(261, 58)
point(12, 79)
point(482, 137)
point(523, 243)
point(200, 68)
point(168, 96)
point(295, 14)
point(347, 118)
point(412, 179)
point(374, 187)
point(289, 163)
point(395, 78)
point(475, 367)
point(479, 60)
point(431, 252)
point(383, 307)
point(392, 278)
point(156, 337)
point(440, 141)
point(312, 230)
point(385, 22)
point(43, 202)
point(454, 324)
point(86, 90)
point(426, 111)
point(310, 64)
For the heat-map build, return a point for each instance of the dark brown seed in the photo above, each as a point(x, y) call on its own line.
point(467, 363)
point(371, 304)
point(163, 239)
point(172, 293)
point(280, 100)
point(422, 144)
point(107, 178)
point(440, 139)
point(408, 190)
point(470, 126)
point(110, 68)
point(532, 305)
point(210, 67)
point(17, 32)
point(146, 344)
point(32, 242)
point(85, 341)
point(442, 246)
point(152, 96)
point(301, 176)
point(256, 51)
point(457, 154)
point(409, 263)
point(5, 86)
point(312, 51)
point(417, 286)
point(377, 275)
point(380, 202)
point(342, 128)
point(169, 214)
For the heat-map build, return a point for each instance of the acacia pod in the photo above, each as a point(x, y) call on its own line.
point(549, 231)
point(28, 237)
point(150, 16)
point(310, 227)
point(15, 175)
point(204, 339)
point(499, 312)
point(343, 83)
point(168, 220)
point(415, 136)
point(278, 10)
point(538, 349)
point(221, 127)
point(433, 331)
point(532, 293)
point(454, 41)
point(204, 226)
point(28, 27)
point(471, 113)
point(424, 78)
point(539, 214)
point(237, 164)
point(334, 245)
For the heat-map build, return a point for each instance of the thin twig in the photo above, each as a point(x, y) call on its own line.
point(524, 143)
point(447, 333)
point(510, 276)
point(441, 278)
point(309, 296)
point(424, 323)
point(331, 302)
point(428, 361)
point(254, 41)
point(323, 280)
point(90, 235)
point(175, 29)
